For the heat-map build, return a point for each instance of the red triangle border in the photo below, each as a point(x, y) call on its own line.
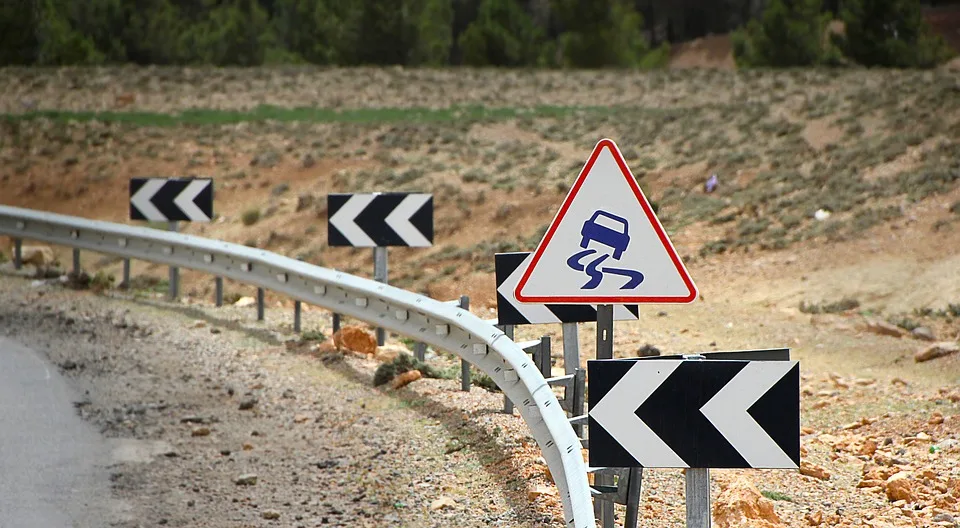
point(651, 216)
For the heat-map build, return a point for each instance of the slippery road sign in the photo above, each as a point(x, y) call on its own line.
point(605, 245)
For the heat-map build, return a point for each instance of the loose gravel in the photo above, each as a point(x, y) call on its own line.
point(216, 422)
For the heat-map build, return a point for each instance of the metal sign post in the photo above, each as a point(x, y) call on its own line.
point(604, 508)
point(698, 497)
point(174, 272)
point(571, 348)
point(380, 275)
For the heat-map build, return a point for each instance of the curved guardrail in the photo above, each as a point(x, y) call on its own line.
point(439, 324)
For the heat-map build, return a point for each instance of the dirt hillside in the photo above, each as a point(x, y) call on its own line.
point(835, 228)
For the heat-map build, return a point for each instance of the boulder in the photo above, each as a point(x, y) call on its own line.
point(406, 378)
point(442, 502)
point(813, 470)
point(900, 487)
point(923, 333)
point(355, 339)
point(936, 350)
point(740, 504)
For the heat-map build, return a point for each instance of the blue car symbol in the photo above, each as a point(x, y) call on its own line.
point(617, 240)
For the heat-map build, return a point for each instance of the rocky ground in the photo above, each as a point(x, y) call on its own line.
point(217, 424)
point(222, 421)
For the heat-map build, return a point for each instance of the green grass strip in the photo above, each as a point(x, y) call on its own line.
point(312, 115)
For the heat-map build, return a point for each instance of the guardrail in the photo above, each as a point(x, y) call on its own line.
point(442, 325)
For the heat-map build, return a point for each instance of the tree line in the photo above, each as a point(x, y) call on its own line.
point(510, 33)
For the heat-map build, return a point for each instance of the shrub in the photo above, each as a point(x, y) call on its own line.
point(843, 305)
point(250, 217)
point(403, 363)
point(101, 281)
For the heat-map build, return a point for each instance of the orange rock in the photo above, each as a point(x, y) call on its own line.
point(900, 487)
point(936, 418)
point(355, 339)
point(813, 470)
point(443, 502)
point(740, 504)
point(814, 519)
point(869, 447)
point(870, 483)
point(406, 378)
point(539, 491)
point(944, 501)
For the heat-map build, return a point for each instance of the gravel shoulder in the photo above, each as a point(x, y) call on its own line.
point(165, 382)
point(326, 448)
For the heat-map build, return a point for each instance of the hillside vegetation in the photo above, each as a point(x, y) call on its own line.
point(513, 33)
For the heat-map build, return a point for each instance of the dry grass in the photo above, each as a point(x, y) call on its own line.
point(865, 145)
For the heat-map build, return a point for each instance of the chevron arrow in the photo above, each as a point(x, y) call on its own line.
point(400, 220)
point(171, 199)
point(510, 311)
point(380, 219)
point(186, 200)
point(140, 201)
point(344, 221)
point(700, 414)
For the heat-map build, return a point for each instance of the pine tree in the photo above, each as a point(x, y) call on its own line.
point(889, 33)
point(598, 33)
point(434, 33)
point(790, 33)
point(503, 34)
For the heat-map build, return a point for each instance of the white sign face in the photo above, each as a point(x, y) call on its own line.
point(606, 245)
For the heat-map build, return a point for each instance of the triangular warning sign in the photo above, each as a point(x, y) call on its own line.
point(606, 245)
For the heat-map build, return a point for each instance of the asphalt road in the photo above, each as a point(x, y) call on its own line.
point(51, 462)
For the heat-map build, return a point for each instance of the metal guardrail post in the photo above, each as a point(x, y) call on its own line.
point(507, 404)
point(126, 274)
point(296, 316)
point(464, 365)
point(579, 395)
point(218, 287)
point(76, 262)
point(17, 253)
point(260, 304)
point(420, 351)
point(541, 357)
point(336, 323)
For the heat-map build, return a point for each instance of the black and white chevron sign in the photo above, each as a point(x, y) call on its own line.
point(171, 199)
point(510, 311)
point(694, 413)
point(380, 220)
